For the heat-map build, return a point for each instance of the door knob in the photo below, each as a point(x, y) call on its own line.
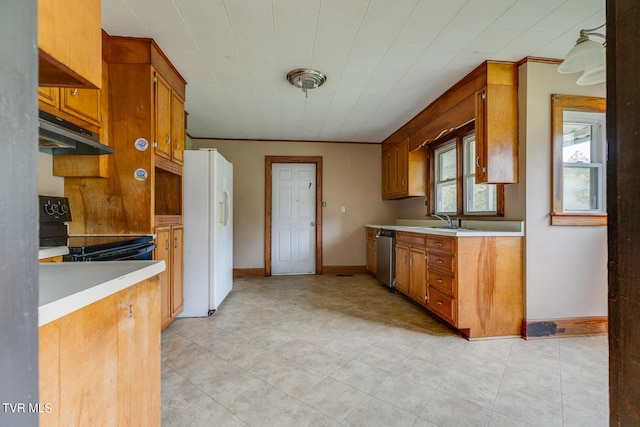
point(313, 224)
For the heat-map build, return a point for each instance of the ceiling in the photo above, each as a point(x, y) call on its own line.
point(385, 60)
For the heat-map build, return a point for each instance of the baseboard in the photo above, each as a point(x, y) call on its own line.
point(344, 269)
point(248, 272)
point(565, 327)
point(326, 269)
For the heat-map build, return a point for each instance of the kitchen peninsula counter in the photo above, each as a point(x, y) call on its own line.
point(69, 286)
point(99, 343)
point(470, 228)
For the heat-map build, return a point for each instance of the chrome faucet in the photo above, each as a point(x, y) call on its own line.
point(447, 220)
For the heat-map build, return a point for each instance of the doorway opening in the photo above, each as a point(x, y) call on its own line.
point(269, 211)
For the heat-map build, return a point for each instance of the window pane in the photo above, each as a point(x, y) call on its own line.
point(581, 185)
point(447, 165)
point(576, 143)
point(480, 197)
point(447, 197)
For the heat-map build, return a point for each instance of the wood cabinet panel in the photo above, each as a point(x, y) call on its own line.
point(473, 283)
point(81, 103)
point(70, 43)
point(100, 365)
point(402, 268)
point(497, 134)
point(372, 250)
point(162, 135)
point(170, 248)
point(418, 274)
point(404, 173)
point(441, 304)
point(163, 252)
point(177, 272)
point(177, 128)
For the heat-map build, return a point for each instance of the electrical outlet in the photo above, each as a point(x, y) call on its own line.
point(343, 209)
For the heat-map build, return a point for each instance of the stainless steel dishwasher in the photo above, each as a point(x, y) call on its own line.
point(386, 261)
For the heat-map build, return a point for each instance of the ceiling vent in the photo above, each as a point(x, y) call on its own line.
point(306, 79)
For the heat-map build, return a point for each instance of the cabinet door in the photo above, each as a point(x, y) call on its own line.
point(81, 103)
point(177, 128)
point(481, 136)
point(402, 268)
point(163, 117)
point(496, 108)
point(418, 275)
point(163, 252)
point(402, 179)
point(49, 95)
point(386, 185)
point(393, 172)
point(177, 271)
point(372, 245)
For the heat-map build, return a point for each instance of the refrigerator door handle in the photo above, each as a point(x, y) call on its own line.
point(226, 207)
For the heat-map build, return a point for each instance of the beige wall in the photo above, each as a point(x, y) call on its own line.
point(48, 185)
point(351, 178)
point(566, 266)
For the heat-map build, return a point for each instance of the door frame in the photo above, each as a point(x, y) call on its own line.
point(268, 164)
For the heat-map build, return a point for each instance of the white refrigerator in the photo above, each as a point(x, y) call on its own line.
point(208, 231)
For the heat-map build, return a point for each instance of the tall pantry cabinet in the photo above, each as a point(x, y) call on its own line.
point(143, 191)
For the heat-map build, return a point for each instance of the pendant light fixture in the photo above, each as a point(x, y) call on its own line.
point(587, 56)
point(305, 79)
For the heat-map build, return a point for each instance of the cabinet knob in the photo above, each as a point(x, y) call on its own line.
point(439, 280)
point(177, 242)
point(478, 161)
point(74, 91)
point(168, 244)
point(168, 141)
point(439, 302)
point(439, 261)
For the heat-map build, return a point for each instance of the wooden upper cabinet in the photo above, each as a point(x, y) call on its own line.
point(82, 103)
point(496, 109)
point(404, 173)
point(177, 128)
point(49, 96)
point(70, 43)
point(162, 138)
point(487, 96)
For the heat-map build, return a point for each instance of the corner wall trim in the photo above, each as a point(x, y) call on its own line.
point(565, 327)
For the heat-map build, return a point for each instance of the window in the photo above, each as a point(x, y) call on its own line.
point(579, 160)
point(454, 190)
point(445, 182)
point(479, 198)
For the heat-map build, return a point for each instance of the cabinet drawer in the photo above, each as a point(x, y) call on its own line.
point(441, 304)
point(442, 281)
point(442, 262)
point(441, 243)
point(411, 239)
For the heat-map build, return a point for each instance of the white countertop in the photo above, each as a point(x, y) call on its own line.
point(52, 251)
point(471, 228)
point(69, 286)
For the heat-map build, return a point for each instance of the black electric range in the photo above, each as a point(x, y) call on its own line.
point(55, 212)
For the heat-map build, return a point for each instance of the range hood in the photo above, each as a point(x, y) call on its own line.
point(58, 136)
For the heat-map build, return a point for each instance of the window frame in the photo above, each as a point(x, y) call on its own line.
point(445, 147)
point(558, 215)
point(458, 135)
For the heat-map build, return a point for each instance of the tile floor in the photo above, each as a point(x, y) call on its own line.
point(345, 351)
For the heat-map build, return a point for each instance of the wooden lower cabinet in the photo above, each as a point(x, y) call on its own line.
point(372, 250)
point(170, 248)
point(472, 283)
point(100, 365)
point(411, 278)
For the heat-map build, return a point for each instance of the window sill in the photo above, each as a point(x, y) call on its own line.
point(579, 219)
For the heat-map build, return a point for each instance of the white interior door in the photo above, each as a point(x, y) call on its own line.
point(293, 218)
